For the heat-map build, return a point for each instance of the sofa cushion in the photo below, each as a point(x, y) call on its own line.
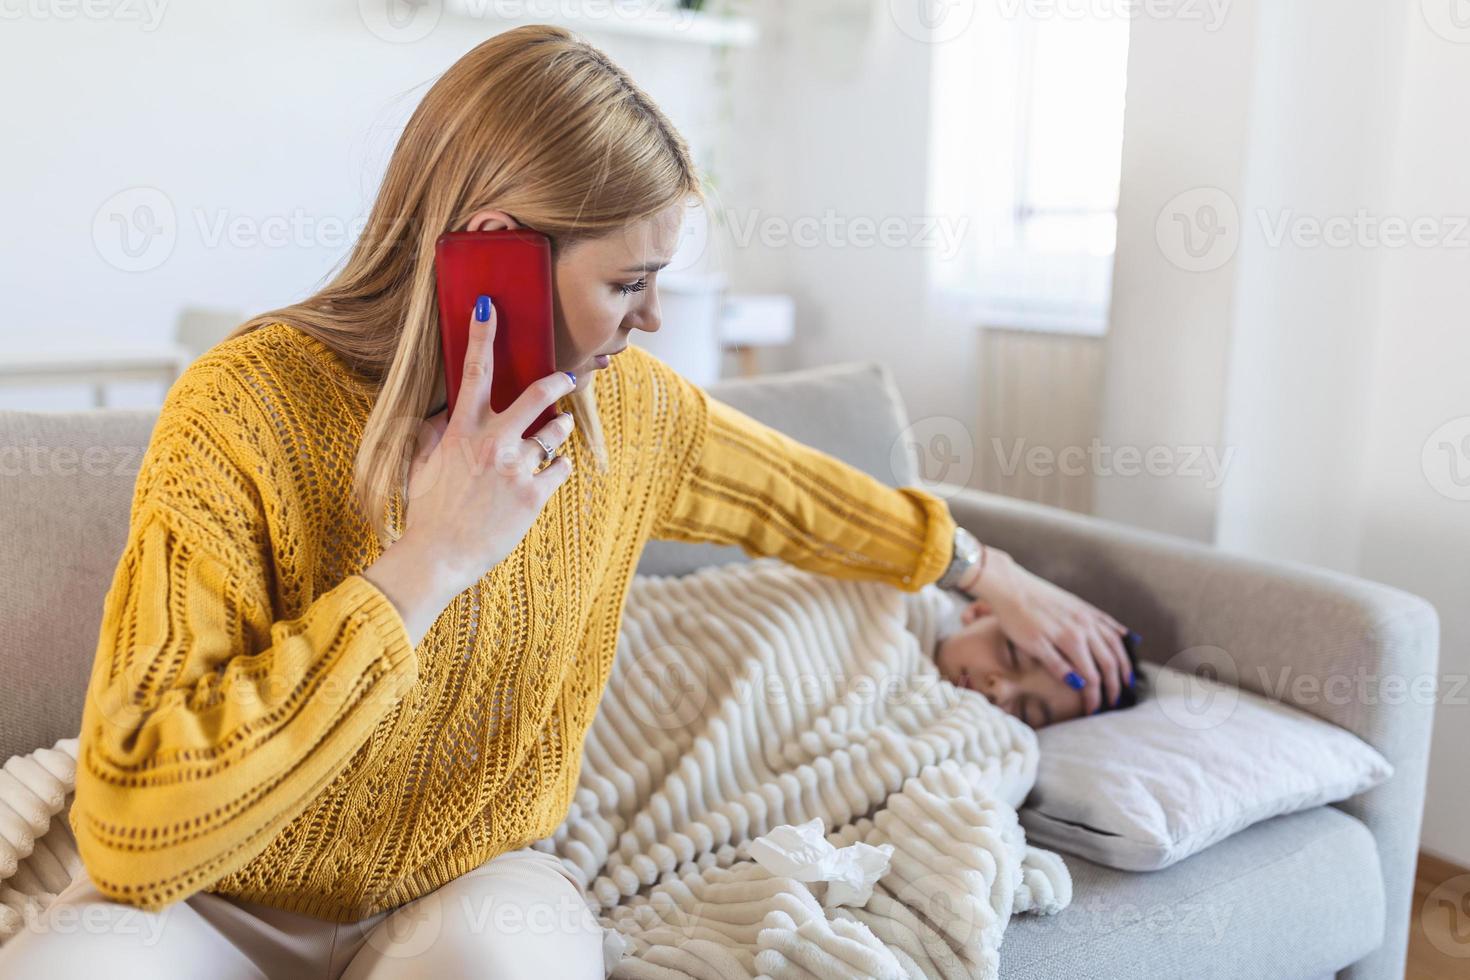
point(66, 489)
point(852, 411)
point(1294, 896)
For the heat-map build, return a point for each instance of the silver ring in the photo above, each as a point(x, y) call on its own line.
point(550, 453)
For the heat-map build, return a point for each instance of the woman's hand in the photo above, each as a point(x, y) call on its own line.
point(1075, 641)
point(474, 488)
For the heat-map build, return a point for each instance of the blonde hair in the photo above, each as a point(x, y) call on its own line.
point(533, 121)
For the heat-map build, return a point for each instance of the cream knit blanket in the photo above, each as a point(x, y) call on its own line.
point(742, 698)
point(752, 695)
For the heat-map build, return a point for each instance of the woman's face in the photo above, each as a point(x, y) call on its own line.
point(980, 657)
point(604, 288)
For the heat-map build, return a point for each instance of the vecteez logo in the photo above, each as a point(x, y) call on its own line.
point(400, 21)
point(136, 229)
point(147, 14)
point(1199, 230)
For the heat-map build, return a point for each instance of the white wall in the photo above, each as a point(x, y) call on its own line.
point(1305, 316)
point(1187, 127)
point(1415, 475)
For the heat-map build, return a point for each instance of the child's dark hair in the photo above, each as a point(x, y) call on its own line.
point(1134, 692)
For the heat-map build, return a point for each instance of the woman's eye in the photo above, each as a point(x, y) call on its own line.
point(632, 287)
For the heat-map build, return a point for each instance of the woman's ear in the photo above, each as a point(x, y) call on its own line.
point(491, 219)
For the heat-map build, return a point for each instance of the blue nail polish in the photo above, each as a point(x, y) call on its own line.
point(571, 375)
point(1075, 681)
point(1130, 678)
point(482, 309)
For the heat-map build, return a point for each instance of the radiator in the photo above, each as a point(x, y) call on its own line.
point(1039, 399)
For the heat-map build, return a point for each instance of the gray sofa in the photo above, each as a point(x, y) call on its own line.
point(1308, 895)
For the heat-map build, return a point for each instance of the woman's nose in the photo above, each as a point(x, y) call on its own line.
point(650, 317)
point(650, 324)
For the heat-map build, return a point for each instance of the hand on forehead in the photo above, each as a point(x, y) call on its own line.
point(976, 654)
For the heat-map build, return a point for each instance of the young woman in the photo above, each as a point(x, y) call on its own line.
point(351, 650)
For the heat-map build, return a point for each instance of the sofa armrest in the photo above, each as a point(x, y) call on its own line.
point(1356, 653)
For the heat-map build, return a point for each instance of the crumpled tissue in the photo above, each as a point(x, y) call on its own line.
point(615, 946)
point(802, 851)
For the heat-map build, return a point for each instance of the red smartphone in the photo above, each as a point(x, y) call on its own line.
point(513, 267)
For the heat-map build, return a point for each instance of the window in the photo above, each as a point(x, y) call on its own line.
point(1027, 146)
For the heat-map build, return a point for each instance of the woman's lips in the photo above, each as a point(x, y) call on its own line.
point(602, 360)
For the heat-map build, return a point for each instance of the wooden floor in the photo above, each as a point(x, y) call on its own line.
point(1439, 930)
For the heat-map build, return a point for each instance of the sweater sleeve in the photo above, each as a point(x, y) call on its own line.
point(734, 480)
point(209, 723)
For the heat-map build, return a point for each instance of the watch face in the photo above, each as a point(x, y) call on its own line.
point(966, 554)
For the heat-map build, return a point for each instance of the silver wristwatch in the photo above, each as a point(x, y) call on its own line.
point(966, 557)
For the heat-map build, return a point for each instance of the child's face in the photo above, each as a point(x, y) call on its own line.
point(980, 657)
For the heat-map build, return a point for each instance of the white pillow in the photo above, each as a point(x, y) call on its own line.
point(1192, 763)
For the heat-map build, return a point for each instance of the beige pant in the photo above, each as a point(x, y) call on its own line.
point(520, 914)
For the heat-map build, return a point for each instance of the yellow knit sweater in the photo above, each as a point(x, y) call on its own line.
point(257, 724)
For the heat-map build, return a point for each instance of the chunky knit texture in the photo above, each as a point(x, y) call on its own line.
point(257, 724)
point(753, 695)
